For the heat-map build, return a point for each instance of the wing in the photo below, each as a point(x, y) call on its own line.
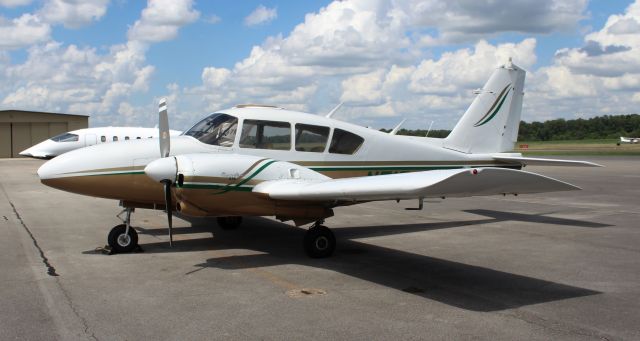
point(436, 183)
point(531, 161)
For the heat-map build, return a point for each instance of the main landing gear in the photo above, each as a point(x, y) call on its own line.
point(319, 241)
point(123, 238)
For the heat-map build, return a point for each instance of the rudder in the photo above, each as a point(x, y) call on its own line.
point(491, 123)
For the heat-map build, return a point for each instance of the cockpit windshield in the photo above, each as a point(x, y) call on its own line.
point(217, 129)
point(66, 137)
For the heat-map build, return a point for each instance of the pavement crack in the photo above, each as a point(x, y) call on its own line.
point(51, 271)
point(75, 311)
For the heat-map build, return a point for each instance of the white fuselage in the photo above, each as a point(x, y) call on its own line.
point(116, 170)
point(87, 137)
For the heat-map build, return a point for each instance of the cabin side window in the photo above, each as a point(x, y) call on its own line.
point(115, 139)
point(217, 129)
point(103, 138)
point(126, 137)
point(66, 137)
point(311, 138)
point(344, 142)
point(266, 135)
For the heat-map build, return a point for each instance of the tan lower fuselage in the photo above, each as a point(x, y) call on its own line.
point(134, 188)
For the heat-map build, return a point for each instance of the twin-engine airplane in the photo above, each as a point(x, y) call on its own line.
point(255, 160)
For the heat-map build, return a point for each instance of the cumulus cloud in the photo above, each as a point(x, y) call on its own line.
point(161, 20)
point(357, 52)
point(625, 26)
point(73, 13)
point(261, 15)
point(14, 3)
point(613, 51)
point(25, 30)
point(84, 80)
point(599, 78)
point(77, 80)
point(469, 20)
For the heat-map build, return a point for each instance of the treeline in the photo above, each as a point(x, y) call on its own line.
point(601, 127)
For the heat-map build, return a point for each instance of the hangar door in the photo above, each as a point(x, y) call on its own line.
point(18, 136)
point(5, 140)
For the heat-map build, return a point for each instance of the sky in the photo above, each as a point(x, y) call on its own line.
point(418, 60)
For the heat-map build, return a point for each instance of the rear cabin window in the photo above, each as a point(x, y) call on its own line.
point(217, 129)
point(310, 138)
point(126, 137)
point(344, 142)
point(66, 137)
point(115, 138)
point(266, 135)
point(103, 138)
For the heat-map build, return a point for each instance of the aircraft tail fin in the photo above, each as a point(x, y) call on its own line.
point(490, 124)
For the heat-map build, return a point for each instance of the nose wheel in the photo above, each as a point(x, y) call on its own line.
point(123, 238)
point(120, 240)
point(319, 242)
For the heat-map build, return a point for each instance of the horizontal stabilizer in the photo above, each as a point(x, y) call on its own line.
point(436, 183)
point(531, 161)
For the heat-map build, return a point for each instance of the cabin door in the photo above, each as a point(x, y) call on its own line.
point(90, 140)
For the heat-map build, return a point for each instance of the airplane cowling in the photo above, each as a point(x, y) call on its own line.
point(233, 169)
point(222, 184)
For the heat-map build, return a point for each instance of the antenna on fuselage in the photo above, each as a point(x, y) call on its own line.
point(397, 128)
point(333, 111)
point(428, 130)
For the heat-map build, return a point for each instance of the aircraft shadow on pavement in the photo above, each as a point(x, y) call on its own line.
point(535, 218)
point(461, 285)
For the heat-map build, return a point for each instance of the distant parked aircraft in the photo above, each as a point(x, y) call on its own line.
point(629, 140)
point(75, 139)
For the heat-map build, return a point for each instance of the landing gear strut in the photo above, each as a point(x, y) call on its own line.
point(123, 238)
point(319, 241)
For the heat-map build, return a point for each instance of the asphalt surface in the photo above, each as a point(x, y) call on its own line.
point(551, 266)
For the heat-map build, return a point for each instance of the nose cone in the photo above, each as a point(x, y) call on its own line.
point(47, 170)
point(26, 152)
point(162, 169)
point(36, 152)
point(58, 167)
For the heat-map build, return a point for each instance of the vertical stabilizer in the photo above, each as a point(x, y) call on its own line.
point(491, 123)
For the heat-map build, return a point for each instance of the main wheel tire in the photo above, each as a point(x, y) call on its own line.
point(319, 242)
point(120, 241)
point(229, 223)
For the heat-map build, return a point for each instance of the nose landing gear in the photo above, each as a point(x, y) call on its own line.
point(123, 238)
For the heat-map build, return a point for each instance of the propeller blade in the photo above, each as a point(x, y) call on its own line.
point(168, 206)
point(163, 128)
